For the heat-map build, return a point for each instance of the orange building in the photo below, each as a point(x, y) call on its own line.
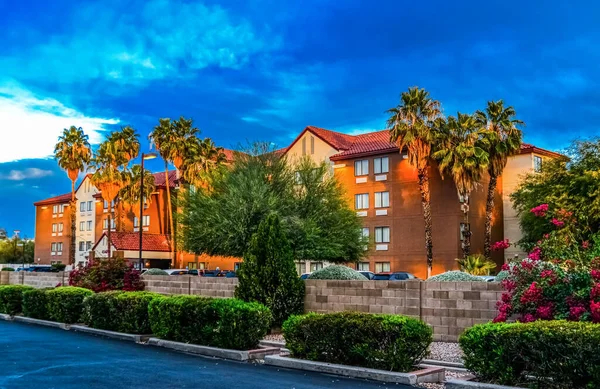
point(52, 230)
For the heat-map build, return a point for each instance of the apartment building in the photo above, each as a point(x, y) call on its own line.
point(52, 230)
point(86, 219)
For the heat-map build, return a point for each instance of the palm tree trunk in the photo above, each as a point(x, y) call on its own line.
point(170, 215)
point(489, 209)
point(73, 227)
point(467, 232)
point(426, 202)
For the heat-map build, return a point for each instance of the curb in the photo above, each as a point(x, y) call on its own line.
point(235, 355)
point(46, 323)
point(442, 363)
point(460, 384)
point(412, 378)
point(271, 343)
point(111, 334)
point(4, 316)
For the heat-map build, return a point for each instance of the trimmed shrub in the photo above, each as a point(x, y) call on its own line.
point(8, 269)
point(557, 354)
point(35, 303)
point(388, 342)
point(130, 311)
point(99, 310)
point(226, 323)
point(454, 276)
point(65, 304)
point(155, 272)
point(337, 272)
point(11, 298)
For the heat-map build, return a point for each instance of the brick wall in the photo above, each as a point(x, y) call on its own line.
point(37, 280)
point(202, 286)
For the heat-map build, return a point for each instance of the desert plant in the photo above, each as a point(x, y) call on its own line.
point(155, 272)
point(477, 265)
point(11, 298)
point(454, 276)
point(337, 272)
point(65, 304)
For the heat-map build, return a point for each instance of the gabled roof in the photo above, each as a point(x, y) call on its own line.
point(337, 140)
point(63, 198)
point(371, 143)
point(130, 241)
point(527, 148)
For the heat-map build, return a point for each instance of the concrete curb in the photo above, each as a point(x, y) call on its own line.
point(412, 378)
point(111, 334)
point(271, 343)
point(4, 316)
point(39, 322)
point(442, 363)
point(460, 384)
point(235, 355)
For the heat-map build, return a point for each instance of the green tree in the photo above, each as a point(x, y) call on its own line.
point(503, 140)
point(268, 273)
point(412, 128)
point(73, 153)
point(460, 155)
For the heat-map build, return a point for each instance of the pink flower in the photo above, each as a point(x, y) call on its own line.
point(557, 223)
point(527, 318)
point(505, 267)
point(585, 245)
point(595, 292)
point(540, 210)
point(501, 245)
point(535, 254)
point(506, 297)
point(595, 274)
point(576, 312)
point(501, 318)
point(595, 311)
point(546, 236)
point(509, 285)
point(532, 295)
point(545, 312)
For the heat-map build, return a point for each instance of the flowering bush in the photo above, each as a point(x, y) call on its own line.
point(501, 245)
point(106, 274)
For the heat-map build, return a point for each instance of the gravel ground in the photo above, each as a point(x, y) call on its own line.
point(275, 337)
point(442, 351)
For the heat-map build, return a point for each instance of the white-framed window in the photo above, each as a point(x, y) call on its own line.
point(60, 227)
point(89, 225)
point(361, 167)
point(105, 204)
point(314, 266)
point(361, 201)
point(81, 226)
point(382, 234)
point(362, 266)
point(382, 199)
point(90, 205)
point(55, 209)
point(105, 224)
point(88, 245)
point(62, 208)
point(381, 165)
point(381, 267)
point(59, 247)
point(537, 163)
point(54, 227)
point(113, 224)
point(365, 232)
point(82, 206)
point(81, 246)
point(301, 267)
point(146, 220)
point(53, 247)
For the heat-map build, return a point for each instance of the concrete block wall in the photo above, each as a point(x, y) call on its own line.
point(37, 280)
point(201, 286)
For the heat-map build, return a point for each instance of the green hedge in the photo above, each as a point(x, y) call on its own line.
point(11, 298)
point(99, 310)
point(35, 303)
point(119, 311)
point(8, 269)
point(65, 304)
point(559, 354)
point(388, 342)
point(225, 323)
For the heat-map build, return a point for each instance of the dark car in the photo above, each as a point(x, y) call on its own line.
point(396, 276)
point(40, 269)
point(369, 274)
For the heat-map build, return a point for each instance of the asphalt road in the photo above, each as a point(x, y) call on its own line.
point(39, 357)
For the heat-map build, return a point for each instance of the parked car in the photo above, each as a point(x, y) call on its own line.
point(488, 278)
point(39, 269)
point(305, 276)
point(369, 274)
point(396, 276)
point(176, 272)
point(230, 274)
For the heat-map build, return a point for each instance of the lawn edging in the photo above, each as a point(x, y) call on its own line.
point(235, 355)
point(111, 334)
point(40, 322)
point(462, 384)
point(412, 378)
point(6, 317)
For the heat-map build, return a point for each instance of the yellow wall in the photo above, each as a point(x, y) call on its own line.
point(322, 150)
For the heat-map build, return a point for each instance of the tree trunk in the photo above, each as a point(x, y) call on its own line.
point(109, 228)
point(466, 246)
point(170, 215)
point(73, 226)
point(426, 202)
point(489, 209)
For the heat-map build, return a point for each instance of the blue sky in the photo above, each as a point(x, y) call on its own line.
point(265, 69)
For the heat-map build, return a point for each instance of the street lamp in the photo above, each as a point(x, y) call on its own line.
point(16, 235)
point(141, 231)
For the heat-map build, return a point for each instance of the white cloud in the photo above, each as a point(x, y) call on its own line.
point(30, 125)
point(29, 173)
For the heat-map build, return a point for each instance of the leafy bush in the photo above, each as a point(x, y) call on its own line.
point(268, 273)
point(156, 272)
point(130, 310)
point(455, 276)
point(11, 298)
point(388, 342)
point(558, 354)
point(226, 323)
point(65, 304)
point(8, 269)
point(337, 272)
point(107, 274)
point(35, 303)
point(99, 310)
point(59, 266)
point(476, 265)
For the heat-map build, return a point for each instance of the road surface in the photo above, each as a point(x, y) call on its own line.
point(39, 358)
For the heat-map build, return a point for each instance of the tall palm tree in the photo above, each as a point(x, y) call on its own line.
point(460, 155)
point(412, 127)
point(73, 153)
point(130, 193)
point(504, 139)
point(200, 160)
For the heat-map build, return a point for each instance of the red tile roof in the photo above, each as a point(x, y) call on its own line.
point(63, 198)
point(160, 180)
point(130, 241)
point(527, 148)
point(367, 144)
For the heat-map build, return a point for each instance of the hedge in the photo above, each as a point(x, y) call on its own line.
point(119, 311)
point(225, 323)
point(541, 354)
point(35, 303)
point(387, 342)
point(65, 304)
point(8, 269)
point(11, 298)
point(98, 310)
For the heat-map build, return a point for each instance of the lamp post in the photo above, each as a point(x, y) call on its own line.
point(141, 230)
point(16, 232)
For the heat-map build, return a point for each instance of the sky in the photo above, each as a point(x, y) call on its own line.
point(262, 70)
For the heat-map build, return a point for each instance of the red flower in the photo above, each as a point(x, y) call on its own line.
point(545, 312)
point(509, 285)
point(527, 318)
point(501, 245)
point(585, 245)
point(595, 293)
point(535, 254)
point(505, 267)
point(501, 318)
point(576, 312)
point(595, 311)
point(532, 295)
point(506, 297)
point(540, 210)
point(557, 223)
point(595, 274)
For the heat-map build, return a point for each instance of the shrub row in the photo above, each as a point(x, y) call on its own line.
point(389, 342)
point(225, 323)
point(11, 298)
point(557, 354)
point(119, 311)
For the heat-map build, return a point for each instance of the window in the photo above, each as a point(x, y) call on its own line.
point(314, 266)
point(362, 266)
point(54, 227)
point(381, 165)
point(53, 247)
point(537, 164)
point(361, 168)
point(304, 146)
point(113, 224)
point(312, 145)
point(89, 206)
point(62, 208)
point(382, 267)
point(301, 267)
point(105, 224)
point(55, 208)
point(382, 199)
point(88, 245)
point(89, 225)
point(146, 220)
point(60, 227)
point(382, 234)
point(82, 206)
point(365, 232)
point(81, 226)
point(105, 204)
point(59, 247)
point(361, 201)
point(81, 246)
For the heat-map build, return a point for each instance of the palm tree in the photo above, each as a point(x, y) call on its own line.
point(460, 155)
point(73, 153)
point(412, 127)
point(476, 265)
point(201, 159)
point(504, 139)
point(130, 193)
